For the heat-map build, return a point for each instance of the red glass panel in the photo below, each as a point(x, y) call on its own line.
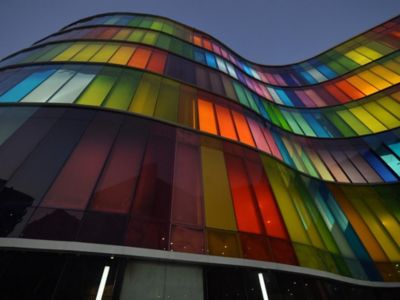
point(245, 206)
point(337, 93)
point(283, 251)
point(116, 186)
point(145, 234)
point(187, 204)
point(255, 247)
point(154, 191)
point(74, 185)
point(140, 58)
point(186, 239)
point(157, 62)
point(271, 216)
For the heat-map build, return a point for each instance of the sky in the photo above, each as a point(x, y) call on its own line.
point(264, 31)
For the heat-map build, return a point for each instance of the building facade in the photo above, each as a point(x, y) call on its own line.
point(143, 159)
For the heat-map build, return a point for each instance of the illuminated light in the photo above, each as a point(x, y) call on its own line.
point(263, 287)
point(102, 285)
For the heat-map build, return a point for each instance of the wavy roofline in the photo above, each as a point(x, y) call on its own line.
point(42, 43)
point(218, 40)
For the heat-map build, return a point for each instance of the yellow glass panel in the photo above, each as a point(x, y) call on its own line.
point(217, 198)
point(105, 53)
point(122, 56)
point(86, 53)
point(382, 115)
point(362, 85)
point(375, 80)
point(390, 76)
point(373, 201)
point(368, 52)
point(392, 65)
point(364, 116)
point(69, 52)
point(357, 57)
point(365, 235)
point(353, 122)
point(223, 243)
point(389, 104)
point(294, 224)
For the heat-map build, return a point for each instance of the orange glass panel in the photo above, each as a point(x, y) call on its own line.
point(247, 217)
point(362, 85)
point(225, 122)
point(349, 90)
point(243, 129)
point(197, 40)
point(363, 232)
point(206, 117)
point(157, 62)
point(140, 58)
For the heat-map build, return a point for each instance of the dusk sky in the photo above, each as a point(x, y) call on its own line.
point(265, 31)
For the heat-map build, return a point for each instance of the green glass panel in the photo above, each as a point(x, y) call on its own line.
point(150, 38)
point(339, 124)
point(157, 25)
point(347, 63)
point(308, 257)
point(145, 98)
point(168, 101)
point(135, 21)
point(136, 36)
point(164, 41)
point(123, 91)
point(99, 88)
point(292, 122)
point(240, 94)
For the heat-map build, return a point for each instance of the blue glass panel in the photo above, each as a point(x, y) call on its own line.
point(315, 125)
point(379, 167)
point(282, 149)
point(247, 69)
point(282, 95)
point(395, 147)
point(211, 60)
point(326, 71)
point(390, 159)
point(199, 56)
point(26, 86)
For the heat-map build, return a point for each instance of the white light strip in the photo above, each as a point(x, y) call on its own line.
point(263, 287)
point(102, 285)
